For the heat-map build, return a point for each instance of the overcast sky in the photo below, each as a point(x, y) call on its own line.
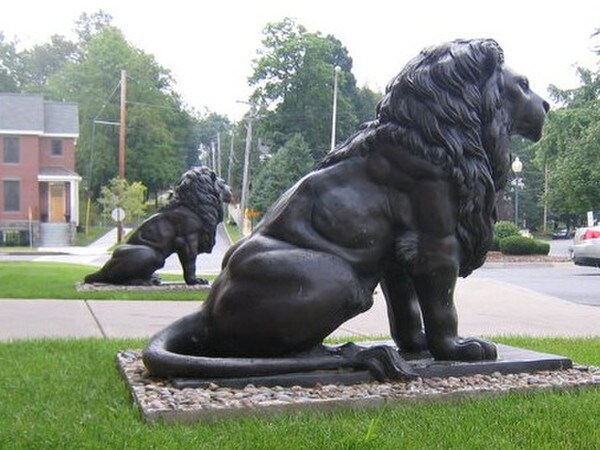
point(209, 45)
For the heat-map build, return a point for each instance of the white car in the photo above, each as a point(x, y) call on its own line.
point(585, 250)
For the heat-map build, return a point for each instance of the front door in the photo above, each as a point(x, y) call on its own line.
point(57, 202)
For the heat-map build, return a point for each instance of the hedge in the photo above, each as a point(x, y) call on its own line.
point(503, 229)
point(521, 245)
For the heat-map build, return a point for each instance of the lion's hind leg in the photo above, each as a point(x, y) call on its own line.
point(129, 264)
point(283, 299)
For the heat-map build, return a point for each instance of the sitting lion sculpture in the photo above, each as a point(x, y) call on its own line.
point(186, 225)
point(407, 202)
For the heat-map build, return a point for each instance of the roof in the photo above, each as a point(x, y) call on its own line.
point(57, 174)
point(31, 114)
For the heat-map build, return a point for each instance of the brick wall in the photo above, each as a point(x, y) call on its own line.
point(26, 171)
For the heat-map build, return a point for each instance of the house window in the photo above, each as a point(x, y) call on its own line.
point(57, 149)
point(11, 149)
point(12, 195)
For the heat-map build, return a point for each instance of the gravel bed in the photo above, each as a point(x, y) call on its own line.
point(497, 257)
point(163, 286)
point(158, 398)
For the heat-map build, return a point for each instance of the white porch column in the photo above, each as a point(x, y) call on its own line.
point(74, 194)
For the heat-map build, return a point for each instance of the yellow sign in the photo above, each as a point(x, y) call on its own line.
point(250, 213)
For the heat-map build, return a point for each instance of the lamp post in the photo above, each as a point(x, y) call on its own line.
point(336, 71)
point(517, 167)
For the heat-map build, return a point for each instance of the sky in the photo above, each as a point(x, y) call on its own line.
point(209, 46)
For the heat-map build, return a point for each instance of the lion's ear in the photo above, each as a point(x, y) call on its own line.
point(213, 176)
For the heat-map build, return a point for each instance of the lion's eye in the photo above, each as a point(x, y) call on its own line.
point(523, 83)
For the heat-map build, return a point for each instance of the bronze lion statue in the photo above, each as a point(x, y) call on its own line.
point(408, 202)
point(186, 225)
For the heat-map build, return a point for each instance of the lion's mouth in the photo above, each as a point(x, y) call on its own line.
point(529, 130)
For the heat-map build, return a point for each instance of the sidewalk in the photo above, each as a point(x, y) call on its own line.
point(485, 307)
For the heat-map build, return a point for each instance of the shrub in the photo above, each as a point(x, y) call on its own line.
point(521, 245)
point(503, 229)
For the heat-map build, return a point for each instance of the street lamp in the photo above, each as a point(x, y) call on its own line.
point(517, 167)
point(334, 114)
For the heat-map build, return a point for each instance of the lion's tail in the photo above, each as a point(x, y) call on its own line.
point(96, 277)
point(168, 354)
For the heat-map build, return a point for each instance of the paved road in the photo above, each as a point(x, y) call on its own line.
point(565, 280)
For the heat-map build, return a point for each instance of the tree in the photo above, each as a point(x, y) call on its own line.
point(293, 79)
point(530, 191)
point(569, 152)
point(44, 60)
point(119, 193)
point(158, 132)
point(207, 129)
point(281, 171)
point(88, 25)
point(10, 66)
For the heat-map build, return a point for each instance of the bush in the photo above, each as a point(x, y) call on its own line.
point(521, 245)
point(503, 229)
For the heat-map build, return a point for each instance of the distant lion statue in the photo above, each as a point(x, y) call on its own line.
point(408, 202)
point(186, 225)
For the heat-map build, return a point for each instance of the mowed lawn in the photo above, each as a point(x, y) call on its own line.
point(67, 394)
point(57, 281)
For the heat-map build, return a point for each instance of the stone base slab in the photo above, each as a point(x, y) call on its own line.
point(164, 400)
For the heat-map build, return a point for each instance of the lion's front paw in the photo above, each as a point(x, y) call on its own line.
point(195, 281)
point(412, 343)
point(465, 349)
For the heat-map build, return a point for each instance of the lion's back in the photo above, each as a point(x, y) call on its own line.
point(160, 230)
point(338, 209)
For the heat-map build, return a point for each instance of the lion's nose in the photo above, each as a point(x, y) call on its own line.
point(546, 106)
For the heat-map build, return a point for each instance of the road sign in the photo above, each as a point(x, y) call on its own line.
point(118, 214)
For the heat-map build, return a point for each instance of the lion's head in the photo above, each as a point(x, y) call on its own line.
point(456, 105)
point(204, 193)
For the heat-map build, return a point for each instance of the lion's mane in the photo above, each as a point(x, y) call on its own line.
point(446, 107)
point(200, 191)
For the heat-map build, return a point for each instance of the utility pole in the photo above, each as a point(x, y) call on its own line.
point(545, 226)
point(231, 157)
point(122, 128)
point(336, 71)
point(122, 142)
point(219, 154)
point(213, 156)
point(250, 117)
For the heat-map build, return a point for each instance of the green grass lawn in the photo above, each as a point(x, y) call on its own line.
point(57, 281)
point(68, 394)
point(234, 232)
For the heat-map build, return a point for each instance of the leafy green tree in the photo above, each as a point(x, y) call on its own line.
point(44, 60)
point(119, 193)
point(158, 138)
point(366, 104)
point(208, 127)
point(10, 66)
point(293, 78)
point(531, 188)
point(569, 151)
point(90, 24)
point(281, 171)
